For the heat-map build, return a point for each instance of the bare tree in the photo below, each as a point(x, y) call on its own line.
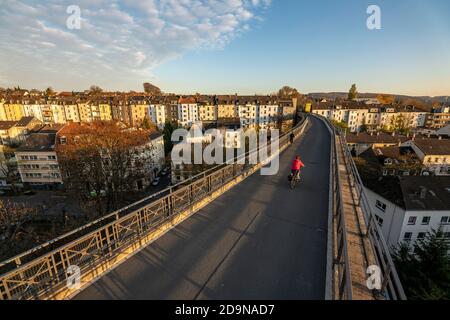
point(14, 237)
point(95, 89)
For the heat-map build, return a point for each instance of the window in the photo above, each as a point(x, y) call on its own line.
point(380, 205)
point(407, 236)
point(445, 220)
point(426, 221)
point(412, 221)
point(421, 235)
point(379, 220)
point(51, 157)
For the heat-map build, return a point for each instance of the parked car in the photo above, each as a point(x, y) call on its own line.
point(29, 193)
point(164, 171)
point(156, 181)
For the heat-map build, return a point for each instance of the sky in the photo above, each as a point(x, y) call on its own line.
point(227, 46)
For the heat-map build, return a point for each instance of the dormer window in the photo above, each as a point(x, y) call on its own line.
point(63, 140)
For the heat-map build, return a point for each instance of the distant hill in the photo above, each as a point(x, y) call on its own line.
point(422, 102)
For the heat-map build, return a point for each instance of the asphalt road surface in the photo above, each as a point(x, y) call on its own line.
point(260, 240)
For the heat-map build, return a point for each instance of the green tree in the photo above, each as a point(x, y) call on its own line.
point(353, 93)
point(169, 128)
point(341, 125)
point(424, 267)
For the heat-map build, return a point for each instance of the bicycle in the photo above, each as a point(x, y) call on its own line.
point(294, 180)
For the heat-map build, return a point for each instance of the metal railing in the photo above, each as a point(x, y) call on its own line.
point(391, 285)
point(342, 262)
point(42, 271)
point(342, 285)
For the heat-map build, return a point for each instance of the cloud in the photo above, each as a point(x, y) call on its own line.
point(119, 42)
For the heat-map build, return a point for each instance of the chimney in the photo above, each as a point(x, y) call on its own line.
point(393, 133)
point(440, 137)
point(413, 137)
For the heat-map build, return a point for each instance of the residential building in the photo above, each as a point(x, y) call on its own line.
point(2, 110)
point(248, 111)
point(58, 112)
point(121, 110)
point(361, 142)
point(139, 110)
point(13, 110)
point(187, 111)
point(157, 114)
point(268, 112)
point(84, 111)
point(439, 118)
point(37, 159)
point(207, 111)
point(389, 161)
point(70, 110)
point(434, 153)
point(226, 107)
point(15, 132)
point(407, 208)
point(33, 109)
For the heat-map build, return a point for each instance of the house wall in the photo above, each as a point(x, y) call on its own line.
point(392, 217)
point(38, 168)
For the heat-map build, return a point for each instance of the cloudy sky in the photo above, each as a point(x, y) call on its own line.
point(242, 46)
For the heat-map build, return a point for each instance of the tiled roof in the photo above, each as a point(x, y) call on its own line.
point(433, 146)
point(25, 121)
point(39, 142)
point(426, 193)
point(6, 125)
point(375, 138)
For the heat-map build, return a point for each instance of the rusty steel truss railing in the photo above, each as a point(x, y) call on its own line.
point(391, 286)
point(42, 271)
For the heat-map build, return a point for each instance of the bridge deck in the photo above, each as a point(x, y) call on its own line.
point(260, 240)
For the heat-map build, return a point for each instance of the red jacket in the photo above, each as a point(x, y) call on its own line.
point(297, 164)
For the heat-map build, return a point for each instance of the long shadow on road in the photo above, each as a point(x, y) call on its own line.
point(260, 240)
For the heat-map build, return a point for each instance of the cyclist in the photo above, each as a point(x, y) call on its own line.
point(297, 165)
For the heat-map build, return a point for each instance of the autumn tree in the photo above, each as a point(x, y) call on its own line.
point(13, 234)
point(386, 98)
point(105, 161)
point(148, 124)
point(353, 93)
point(287, 92)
